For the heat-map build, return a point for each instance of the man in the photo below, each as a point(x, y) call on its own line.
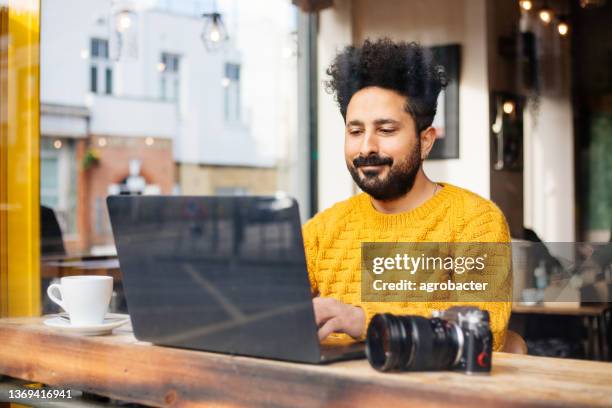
point(387, 95)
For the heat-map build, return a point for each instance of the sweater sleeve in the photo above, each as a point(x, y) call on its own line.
point(489, 225)
point(311, 249)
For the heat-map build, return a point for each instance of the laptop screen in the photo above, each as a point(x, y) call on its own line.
point(223, 274)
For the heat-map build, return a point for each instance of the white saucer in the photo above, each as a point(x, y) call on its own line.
point(111, 321)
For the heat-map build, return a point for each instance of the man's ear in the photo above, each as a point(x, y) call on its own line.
point(428, 137)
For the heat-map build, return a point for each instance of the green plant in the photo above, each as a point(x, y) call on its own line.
point(91, 158)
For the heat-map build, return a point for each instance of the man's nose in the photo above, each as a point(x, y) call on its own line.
point(369, 144)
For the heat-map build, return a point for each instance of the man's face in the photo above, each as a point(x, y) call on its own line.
point(381, 147)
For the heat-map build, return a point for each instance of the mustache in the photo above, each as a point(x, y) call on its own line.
point(372, 160)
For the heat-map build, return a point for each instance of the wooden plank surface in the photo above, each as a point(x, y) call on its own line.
point(585, 310)
point(121, 367)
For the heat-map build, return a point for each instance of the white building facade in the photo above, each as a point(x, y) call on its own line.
point(133, 81)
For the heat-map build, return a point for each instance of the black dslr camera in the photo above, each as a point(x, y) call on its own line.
point(458, 338)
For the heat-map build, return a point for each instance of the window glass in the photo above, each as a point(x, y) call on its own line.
point(169, 76)
point(142, 104)
point(109, 81)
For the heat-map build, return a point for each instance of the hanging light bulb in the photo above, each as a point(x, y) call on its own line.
point(592, 3)
point(563, 26)
point(526, 4)
point(123, 43)
point(214, 33)
point(124, 20)
point(546, 14)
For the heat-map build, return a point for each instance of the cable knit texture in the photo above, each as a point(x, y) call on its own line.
point(332, 240)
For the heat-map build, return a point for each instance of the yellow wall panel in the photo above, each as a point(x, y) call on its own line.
point(19, 152)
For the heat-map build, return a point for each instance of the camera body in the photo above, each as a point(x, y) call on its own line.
point(459, 338)
point(472, 324)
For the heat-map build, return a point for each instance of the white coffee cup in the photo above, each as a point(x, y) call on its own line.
point(85, 298)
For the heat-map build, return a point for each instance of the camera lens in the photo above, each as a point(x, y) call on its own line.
point(387, 343)
point(396, 343)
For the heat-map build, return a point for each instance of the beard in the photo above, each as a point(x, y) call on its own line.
point(399, 180)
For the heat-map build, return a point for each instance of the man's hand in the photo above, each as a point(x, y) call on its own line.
point(334, 316)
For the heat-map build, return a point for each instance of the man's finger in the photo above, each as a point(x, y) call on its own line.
point(332, 325)
point(323, 310)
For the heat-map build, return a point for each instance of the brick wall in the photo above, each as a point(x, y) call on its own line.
point(115, 153)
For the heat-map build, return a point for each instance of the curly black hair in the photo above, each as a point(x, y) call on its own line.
point(406, 68)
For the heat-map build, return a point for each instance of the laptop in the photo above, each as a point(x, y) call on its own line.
point(224, 274)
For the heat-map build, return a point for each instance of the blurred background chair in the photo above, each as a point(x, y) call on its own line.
point(51, 240)
point(51, 247)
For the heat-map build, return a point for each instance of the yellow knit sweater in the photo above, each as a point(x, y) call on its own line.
point(332, 241)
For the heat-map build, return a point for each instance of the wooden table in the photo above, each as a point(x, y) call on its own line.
point(123, 368)
point(596, 318)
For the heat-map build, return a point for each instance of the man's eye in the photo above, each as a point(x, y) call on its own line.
point(387, 130)
point(354, 132)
